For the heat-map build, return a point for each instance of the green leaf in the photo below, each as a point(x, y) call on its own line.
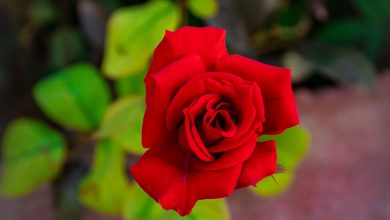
point(42, 12)
point(374, 11)
point(374, 41)
point(133, 33)
point(290, 16)
point(292, 146)
point(215, 209)
point(123, 124)
point(342, 31)
point(352, 31)
point(344, 65)
point(75, 97)
point(105, 187)
point(203, 8)
point(32, 154)
point(131, 85)
point(140, 206)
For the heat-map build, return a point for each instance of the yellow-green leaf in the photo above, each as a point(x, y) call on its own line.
point(32, 153)
point(140, 206)
point(133, 33)
point(215, 209)
point(105, 187)
point(131, 85)
point(203, 8)
point(75, 97)
point(123, 124)
point(292, 145)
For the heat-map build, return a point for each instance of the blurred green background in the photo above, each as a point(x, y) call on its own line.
point(71, 103)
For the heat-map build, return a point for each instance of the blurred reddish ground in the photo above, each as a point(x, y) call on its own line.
point(345, 176)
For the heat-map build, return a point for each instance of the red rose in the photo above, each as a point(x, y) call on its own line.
point(205, 111)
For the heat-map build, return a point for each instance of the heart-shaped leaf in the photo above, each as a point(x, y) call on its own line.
point(32, 153)
point(105, 187)
point(131, 85)
point(75, 97)
point(133, 33)
point(123, 124)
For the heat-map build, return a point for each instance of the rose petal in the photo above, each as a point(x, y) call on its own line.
point(207, 42)
point(210, 135)
point(247, 101)
point(191, 91)
point(194, 140)
point(275, 85)
point(227, 144)
point(261, 164)
point(160, 89)
point(229, 129)
point(248, 106)
point(229, 158)
point(244, 96)
point(166, 176)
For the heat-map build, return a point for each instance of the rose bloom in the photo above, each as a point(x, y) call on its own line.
point(205, 110)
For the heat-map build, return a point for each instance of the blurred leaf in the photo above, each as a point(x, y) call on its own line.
point(292, 145)
point(368, 30)
point(133, 33)
point(42, 12)
point(374, 10)
point(105, 187)
point(300, 67)
point(374, 40)
point(342, 31)
point(342, 64)
point(65, 47)
point(32, 154)
point(131, 85)
point(215, 209)
point(123, 124)
point(290, 16)
point(203, 8)
point(367, 9)
point(140, 206)
point(75, 97)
